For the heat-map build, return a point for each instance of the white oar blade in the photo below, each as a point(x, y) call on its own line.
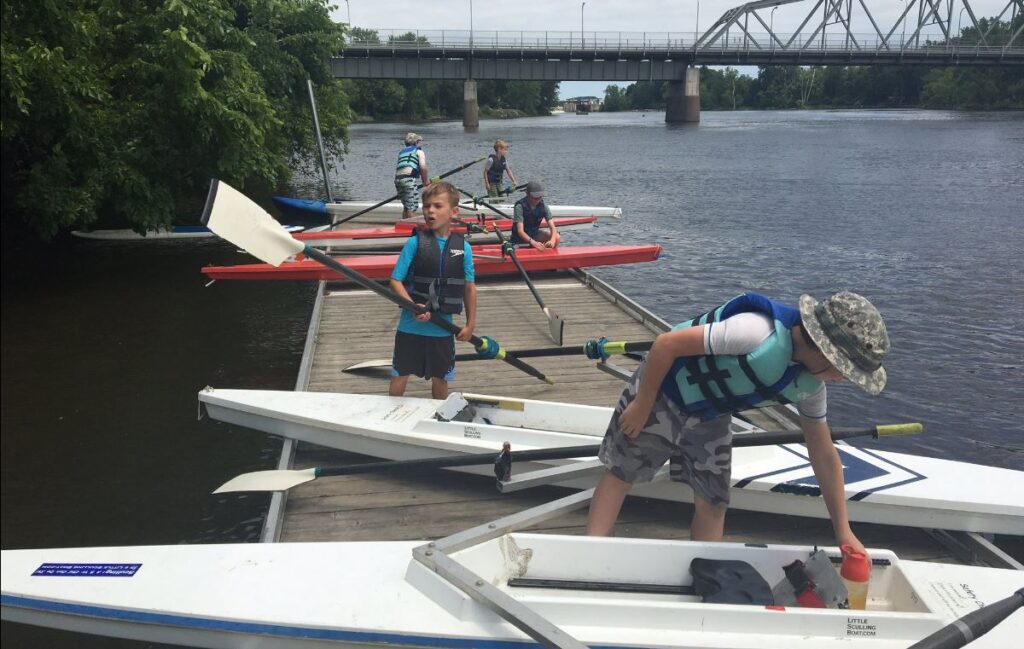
point(556, 326)
point(370, 366)
point(267, 481)
point(233, 216)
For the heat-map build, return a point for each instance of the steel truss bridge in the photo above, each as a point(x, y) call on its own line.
point(928, 32)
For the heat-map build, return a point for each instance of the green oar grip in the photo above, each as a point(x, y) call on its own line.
point(613, 348)
point(891, 430)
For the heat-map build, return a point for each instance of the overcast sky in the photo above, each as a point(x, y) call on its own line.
point(609, 16)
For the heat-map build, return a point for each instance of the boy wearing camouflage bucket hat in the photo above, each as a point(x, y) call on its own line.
point(751, 352)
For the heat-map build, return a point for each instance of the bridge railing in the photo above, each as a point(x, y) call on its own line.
point(490, 41)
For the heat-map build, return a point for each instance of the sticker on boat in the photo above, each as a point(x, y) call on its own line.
point(87, 570)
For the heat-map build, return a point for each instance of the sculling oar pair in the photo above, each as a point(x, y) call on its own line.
point(234, 217)
point(280, 480)
point(456, 170)
point(556, 326)
point(595, 349)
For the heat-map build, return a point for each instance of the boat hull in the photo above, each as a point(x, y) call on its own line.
point(394, 237)
point(302, 595)
point(177, 232)
point(487, 262)
point(881, 487)
point(391, 212)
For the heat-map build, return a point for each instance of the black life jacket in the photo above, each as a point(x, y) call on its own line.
point(497, 168)
point(438, 278)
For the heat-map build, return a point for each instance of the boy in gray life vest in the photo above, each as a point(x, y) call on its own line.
point(434, 269)
point(751, 352)
point(411, 174)
point(529, 214)
point(495, 169)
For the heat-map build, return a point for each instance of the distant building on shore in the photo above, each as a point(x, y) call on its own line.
point(581, 104)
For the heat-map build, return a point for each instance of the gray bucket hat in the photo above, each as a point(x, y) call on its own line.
point(535, 189)
point(850, 332)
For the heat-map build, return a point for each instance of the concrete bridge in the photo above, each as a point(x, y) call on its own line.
point(923, 35)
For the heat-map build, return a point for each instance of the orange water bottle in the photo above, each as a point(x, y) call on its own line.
point(855, 571)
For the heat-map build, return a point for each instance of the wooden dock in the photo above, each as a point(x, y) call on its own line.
point(351, 325)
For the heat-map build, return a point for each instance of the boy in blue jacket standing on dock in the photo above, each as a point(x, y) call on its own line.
point(434, 270)
point(751, 352)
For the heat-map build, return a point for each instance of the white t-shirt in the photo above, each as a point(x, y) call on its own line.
point(742, 334)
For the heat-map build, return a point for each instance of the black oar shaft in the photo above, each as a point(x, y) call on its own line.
point(391, 198)
point(577, 350)
point(589, 450)
point(472, 459)
point(972, 625)
point(522, 271)
point(409, 305)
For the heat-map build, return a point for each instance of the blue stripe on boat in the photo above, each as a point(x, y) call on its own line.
point(280, 630)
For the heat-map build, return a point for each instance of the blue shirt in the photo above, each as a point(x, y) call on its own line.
point(408, 323)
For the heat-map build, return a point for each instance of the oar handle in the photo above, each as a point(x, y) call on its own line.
point(796, 436)
point(893, 430)
point(409, 305)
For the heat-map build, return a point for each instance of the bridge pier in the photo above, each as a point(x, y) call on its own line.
point(470, 106)
point(682, 105)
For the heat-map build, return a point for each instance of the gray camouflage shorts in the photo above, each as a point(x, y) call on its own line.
point(408, 189)
point(700, 453)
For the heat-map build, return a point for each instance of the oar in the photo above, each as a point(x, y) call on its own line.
point(595, 348)
point(481, 201)
point(280, 480)
point(517, 188)
point(973, 625)
point(335, 224)
point(556, 326)
point(233, 216)
point(319, 140)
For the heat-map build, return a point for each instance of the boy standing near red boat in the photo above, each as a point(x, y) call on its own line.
point(750, 352)
point(434, 270)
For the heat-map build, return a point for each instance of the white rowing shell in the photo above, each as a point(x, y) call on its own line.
point(881, 487)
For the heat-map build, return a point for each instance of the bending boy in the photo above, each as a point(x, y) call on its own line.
point(751, 352)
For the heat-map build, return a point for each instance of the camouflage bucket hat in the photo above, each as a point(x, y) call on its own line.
point(850, 332)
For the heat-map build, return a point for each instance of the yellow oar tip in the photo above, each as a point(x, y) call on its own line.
point(886, 430)
point(549, 381)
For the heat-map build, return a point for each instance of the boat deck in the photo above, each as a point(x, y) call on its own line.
point(346, 328)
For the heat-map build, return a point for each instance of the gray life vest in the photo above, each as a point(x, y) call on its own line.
point(497, 168)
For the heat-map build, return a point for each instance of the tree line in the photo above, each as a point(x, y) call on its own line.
point(117, 113)
point(879, 86)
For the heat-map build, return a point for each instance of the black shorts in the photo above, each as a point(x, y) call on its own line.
point(427, 357)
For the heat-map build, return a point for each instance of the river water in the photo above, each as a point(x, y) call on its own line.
point(106, 345)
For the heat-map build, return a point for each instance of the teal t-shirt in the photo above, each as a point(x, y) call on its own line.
point(407, 323)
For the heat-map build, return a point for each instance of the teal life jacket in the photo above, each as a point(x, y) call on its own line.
point(408, 159)
point(712, 386)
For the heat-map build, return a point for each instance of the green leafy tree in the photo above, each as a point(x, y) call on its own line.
point(125, 108)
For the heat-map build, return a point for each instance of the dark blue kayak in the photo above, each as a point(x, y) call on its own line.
point(309, 208)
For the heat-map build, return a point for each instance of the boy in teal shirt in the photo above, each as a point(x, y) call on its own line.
point(434, 270)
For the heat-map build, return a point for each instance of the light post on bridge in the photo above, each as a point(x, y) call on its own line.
point(582, 45)
point(348, 9)
point(470, 24)
point(959, 38)
point(771, 28)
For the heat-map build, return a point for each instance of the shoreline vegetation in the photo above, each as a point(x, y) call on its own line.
point(116, 115)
